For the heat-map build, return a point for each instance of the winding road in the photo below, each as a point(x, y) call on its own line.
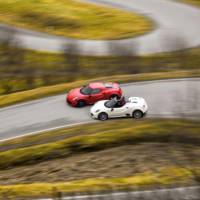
point(172, 20)
point(166, 98)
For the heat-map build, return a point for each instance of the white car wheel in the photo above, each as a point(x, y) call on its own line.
point(137, 114)
point(103, 116)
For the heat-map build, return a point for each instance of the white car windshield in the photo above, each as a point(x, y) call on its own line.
point(113, 103)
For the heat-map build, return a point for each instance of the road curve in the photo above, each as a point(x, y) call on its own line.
point(171, 19)
point(166, 98)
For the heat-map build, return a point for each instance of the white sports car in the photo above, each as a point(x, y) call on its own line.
point(135, 107)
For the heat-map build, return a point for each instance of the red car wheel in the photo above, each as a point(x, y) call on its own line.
point(81, 103)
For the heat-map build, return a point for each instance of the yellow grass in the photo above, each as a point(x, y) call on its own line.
point(164, 177)
point(73, 18)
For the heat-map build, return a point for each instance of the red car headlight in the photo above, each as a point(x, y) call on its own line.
point(75, 98)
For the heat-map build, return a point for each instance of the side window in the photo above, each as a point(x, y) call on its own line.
point(95, 91)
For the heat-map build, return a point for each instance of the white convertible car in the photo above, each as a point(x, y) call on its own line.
point(135, 107)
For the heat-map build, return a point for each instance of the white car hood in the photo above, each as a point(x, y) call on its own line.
point(98, 106)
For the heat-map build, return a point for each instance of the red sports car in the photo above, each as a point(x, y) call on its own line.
point(92, 93)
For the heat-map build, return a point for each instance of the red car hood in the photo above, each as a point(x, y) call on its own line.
point(74, 93)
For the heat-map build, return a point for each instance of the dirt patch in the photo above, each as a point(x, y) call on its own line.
point(121, 161)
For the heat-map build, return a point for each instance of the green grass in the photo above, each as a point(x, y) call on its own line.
point(18, 97)
point(97, 138)
point(164, 177)
point(73, 18)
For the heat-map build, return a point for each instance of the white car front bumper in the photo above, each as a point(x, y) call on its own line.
point(94, 114)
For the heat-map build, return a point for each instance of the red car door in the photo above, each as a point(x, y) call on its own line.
point(96, 95)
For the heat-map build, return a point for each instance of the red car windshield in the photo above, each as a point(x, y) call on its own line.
point(86, 90)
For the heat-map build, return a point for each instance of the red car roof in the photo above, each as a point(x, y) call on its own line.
point(103, 85)
point(97, 85)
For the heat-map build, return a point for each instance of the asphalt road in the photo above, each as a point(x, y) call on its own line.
point(167, 98)
point(171, 19)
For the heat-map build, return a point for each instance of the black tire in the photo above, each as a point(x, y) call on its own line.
point(81, 103)
point(114, 96)
point(137, 114)
point(103, 116)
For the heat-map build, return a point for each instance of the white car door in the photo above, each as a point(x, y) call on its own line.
point(119, 111)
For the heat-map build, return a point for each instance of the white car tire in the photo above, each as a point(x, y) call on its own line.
point(137, 114)
point(103, 116)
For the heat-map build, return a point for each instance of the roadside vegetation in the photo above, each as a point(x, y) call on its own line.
point(138, 154)
point(136, 129)
point(163, 178)
point(192, 2)
point(123, 134)
point(73, 18)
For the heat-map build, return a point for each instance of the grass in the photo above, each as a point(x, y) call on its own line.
point(84, 139)
point(85, 129)
point(18, 97)
point(164, 177)
point(68, 142)
point(97, 138)
point(73, 18)
point(192, 2)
